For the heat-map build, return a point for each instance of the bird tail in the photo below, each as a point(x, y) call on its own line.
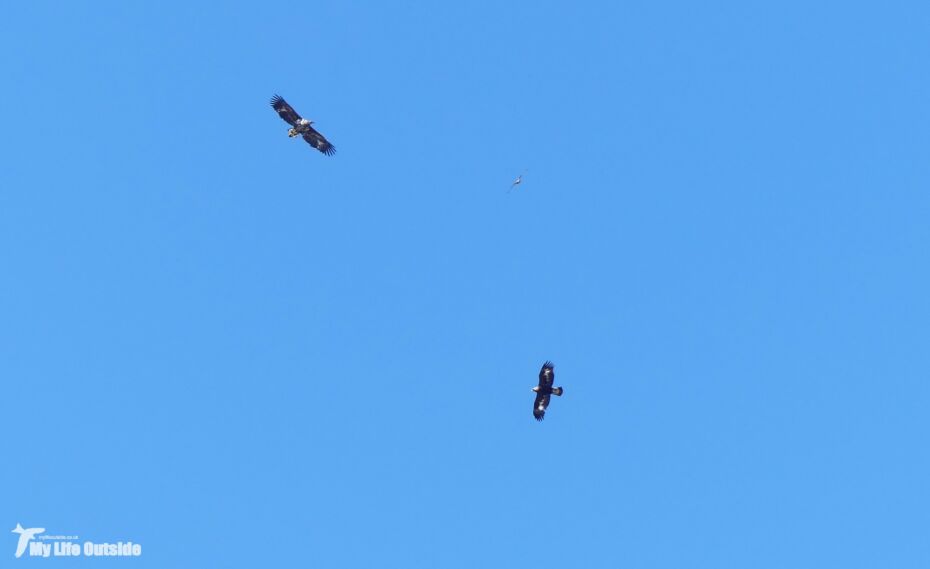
point(557, 391)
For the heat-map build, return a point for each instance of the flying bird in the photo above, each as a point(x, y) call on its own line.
point(544, 390)
point(516, 182)
point(301, 126)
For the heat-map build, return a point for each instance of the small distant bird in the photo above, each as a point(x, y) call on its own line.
point(301, 126)
point(516, 182)
point(544, 390)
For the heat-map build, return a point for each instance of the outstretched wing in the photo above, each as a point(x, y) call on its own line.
point(546, 375)
point(319, 142)
point(285, 111)
point(539, 406)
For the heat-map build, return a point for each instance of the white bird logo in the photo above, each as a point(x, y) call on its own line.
point(25, 536)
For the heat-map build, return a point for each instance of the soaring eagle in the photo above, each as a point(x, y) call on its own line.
point(544, 390)
point(301, 126)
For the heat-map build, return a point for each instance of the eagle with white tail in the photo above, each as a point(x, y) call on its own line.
point(301, 126)
point(544, 390)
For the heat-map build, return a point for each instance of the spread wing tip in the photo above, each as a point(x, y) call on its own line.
point(319, 142)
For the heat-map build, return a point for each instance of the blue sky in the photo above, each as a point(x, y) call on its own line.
point(220, 344)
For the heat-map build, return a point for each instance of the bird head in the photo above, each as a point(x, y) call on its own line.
point(535, 389)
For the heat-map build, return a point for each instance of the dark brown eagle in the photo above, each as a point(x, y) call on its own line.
point(544, 390)
point(301, 126)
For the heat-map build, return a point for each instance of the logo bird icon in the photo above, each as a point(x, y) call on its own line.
point(25, 536)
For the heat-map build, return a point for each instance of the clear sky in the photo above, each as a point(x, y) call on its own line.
point(220, 344)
